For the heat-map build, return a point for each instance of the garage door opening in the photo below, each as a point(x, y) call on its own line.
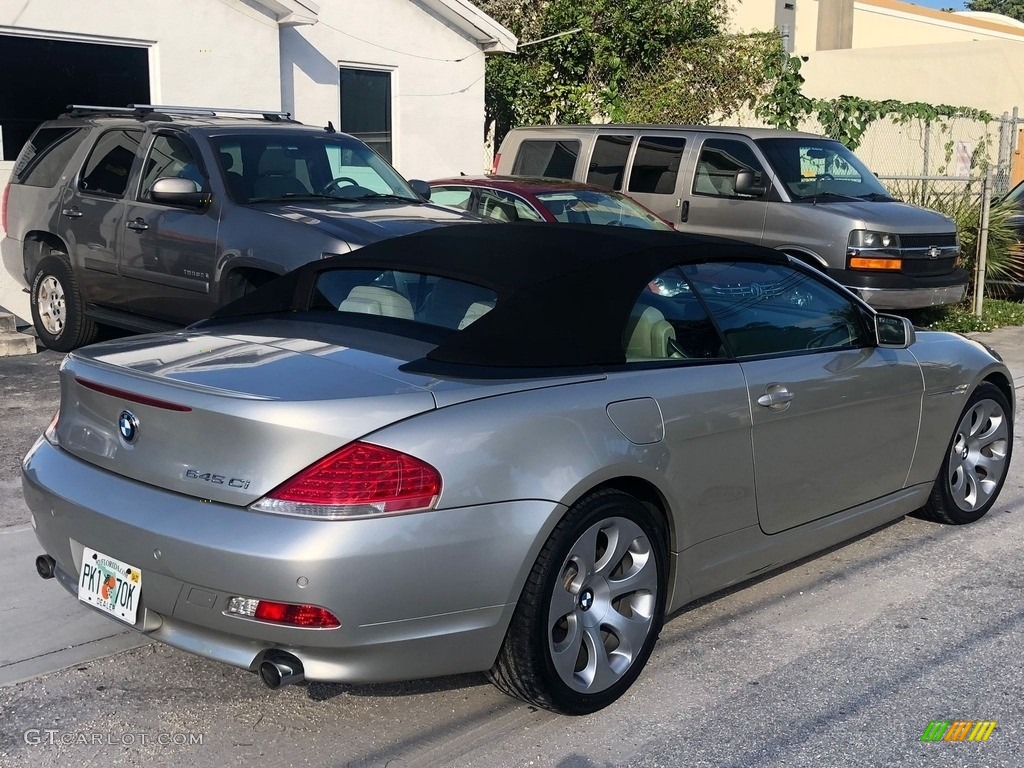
point(41, 77)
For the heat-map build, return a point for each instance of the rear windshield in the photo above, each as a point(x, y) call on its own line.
point(584, 206)
point(45, 156)
point(425, 299)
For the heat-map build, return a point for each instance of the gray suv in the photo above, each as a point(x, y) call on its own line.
point(151, 217)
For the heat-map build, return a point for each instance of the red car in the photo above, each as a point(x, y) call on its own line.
point(514, 198)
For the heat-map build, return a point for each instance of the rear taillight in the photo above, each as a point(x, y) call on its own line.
point(3, 206)
point(305, 616)
point(358, 480)
point(494, 166)
point(50, 433)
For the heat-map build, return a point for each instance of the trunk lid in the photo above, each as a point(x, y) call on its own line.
point(224, 418)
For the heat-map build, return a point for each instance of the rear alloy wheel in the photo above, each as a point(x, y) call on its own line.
point(58, 311)
point(591, 609)
point(975, 464)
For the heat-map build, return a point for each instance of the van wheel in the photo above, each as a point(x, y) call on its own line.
point(58, 311)
point(591, 609)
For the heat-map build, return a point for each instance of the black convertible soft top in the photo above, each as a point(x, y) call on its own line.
point(564, 291)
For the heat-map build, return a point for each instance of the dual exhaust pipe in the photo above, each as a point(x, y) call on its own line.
point(277, 669)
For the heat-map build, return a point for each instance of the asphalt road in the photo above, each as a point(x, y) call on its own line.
point(841, 660)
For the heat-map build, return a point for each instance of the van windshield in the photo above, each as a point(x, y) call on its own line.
point(822, 170)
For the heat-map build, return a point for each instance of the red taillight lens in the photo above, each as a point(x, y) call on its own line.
point(3, 206)
point(305, 616)
point(494, 166)
point(357, 480)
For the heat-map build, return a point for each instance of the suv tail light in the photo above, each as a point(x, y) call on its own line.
point(494, 165)
point(3, 207)
point(358, 480)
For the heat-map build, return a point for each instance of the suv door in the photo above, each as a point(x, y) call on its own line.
point(655, 175)
point(168, 251)
point(714, 207)
point(835, 418)
point(92, 212)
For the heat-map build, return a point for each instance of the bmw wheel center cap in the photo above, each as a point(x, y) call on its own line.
point(128, 426)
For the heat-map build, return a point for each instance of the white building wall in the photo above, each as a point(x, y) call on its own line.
point(437, 79)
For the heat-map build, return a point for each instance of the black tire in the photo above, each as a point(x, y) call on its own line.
point(987, 413)
point(61, 323)
point(526, 667)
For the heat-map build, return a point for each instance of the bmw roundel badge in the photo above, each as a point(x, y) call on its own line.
point(128, 426)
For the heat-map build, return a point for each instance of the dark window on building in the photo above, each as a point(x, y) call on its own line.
point(656, 164)
point(608, 161)
point(549, 159)
point(366, 108)
point(110, 163)
point(41, 77)
point(44, 158)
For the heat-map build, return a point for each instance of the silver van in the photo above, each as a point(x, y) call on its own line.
point(806, 195)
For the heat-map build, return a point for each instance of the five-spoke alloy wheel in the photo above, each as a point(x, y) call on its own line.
point(975, 463)
point(591, 610)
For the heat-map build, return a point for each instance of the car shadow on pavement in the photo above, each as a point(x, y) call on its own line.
point(327, 691)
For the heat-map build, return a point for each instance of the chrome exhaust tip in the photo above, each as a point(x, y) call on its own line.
point(279, 668)
point(46, 566)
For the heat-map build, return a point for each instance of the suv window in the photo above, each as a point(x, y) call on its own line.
point(608, 161)
point(767, 309)
point(551, 159)
point(170, 157)
point(110, 163)
point(719, 161)
point(656, 164)
point(669, 323)
point(45, 156)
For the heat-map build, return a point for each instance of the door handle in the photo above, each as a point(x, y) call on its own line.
point(775, 398)
point(684, 210)
point(72, 213)
point(137, 224)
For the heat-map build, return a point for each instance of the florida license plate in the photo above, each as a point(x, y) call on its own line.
point(110, 585)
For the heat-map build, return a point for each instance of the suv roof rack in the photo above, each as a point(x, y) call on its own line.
point(145, 110)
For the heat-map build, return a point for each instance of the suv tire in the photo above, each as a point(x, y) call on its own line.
point(58, 311)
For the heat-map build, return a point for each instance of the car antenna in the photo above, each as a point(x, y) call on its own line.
point(330, 127)
point(462, 173)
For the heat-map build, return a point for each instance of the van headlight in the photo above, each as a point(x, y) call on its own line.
point(866, 238)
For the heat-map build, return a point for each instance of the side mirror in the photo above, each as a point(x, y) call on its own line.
point(420, 187)
point(746, 184)
point(175, 191)
point(894, 332)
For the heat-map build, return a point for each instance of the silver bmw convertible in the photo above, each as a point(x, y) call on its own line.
point(507, 449)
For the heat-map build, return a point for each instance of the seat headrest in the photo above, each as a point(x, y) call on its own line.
point(276, 161)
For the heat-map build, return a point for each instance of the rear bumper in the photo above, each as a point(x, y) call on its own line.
point(417, 595)
point(895, 291)
point(13, 260)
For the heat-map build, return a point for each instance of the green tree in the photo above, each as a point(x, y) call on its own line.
point(577, 77)
point(1012, 8)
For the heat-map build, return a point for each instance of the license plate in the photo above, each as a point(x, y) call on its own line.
point(110, 585)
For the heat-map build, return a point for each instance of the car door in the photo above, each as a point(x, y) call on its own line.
point(168, 253)
point(683, 397)
point(835, 418)
point(92, 213)
point(714, 207)
point(655, 177)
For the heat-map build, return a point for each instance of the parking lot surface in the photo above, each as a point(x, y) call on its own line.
point(842, 659)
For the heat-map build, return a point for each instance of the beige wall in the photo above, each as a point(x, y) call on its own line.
point(879, 24)
point(936, 74)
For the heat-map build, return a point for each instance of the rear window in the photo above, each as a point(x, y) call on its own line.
point(420, 298)
point(45, 156)
point(550, 159)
